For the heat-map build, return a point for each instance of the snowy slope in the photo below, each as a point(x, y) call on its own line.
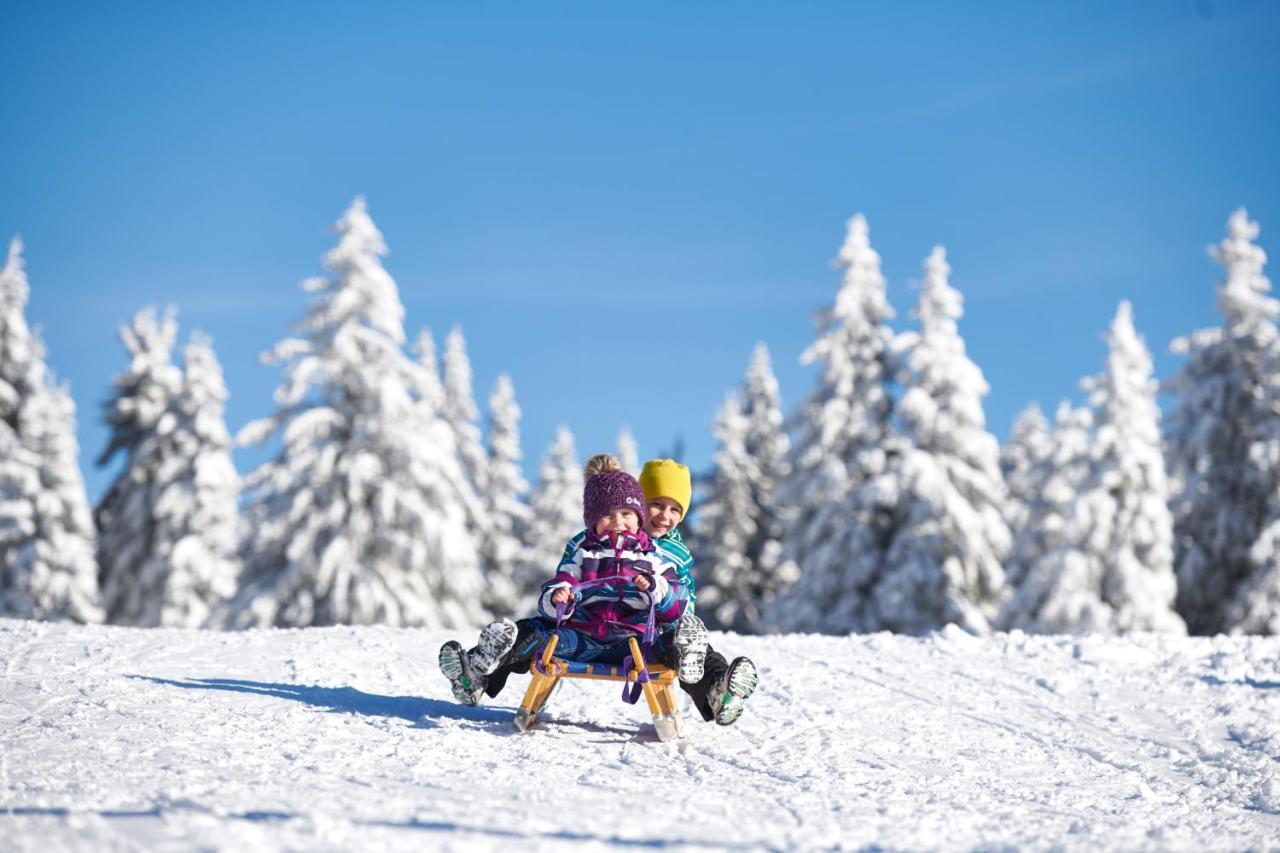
point(345, 738)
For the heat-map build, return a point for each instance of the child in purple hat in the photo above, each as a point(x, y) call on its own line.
point(614, 586)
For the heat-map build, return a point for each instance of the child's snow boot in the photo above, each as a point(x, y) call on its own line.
point(468, 685)
point(691, 648)
point(731, 690)
point(496, 640)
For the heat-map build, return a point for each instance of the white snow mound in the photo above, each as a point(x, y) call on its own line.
point(347, 738)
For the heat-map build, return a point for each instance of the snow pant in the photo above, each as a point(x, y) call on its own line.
point(532, 635)
point(700, 691)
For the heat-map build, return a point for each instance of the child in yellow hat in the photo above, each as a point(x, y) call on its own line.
point(719, 688)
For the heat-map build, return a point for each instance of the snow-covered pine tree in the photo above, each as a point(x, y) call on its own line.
point(508, 515)
point(743, 571)
point(1256, 607)
point(17, 345)
point(837, 525)
point(463, 417)
point(628, 451)
point(725, 522)
point(358, 519)
point(766, 438)
point(438, 440)
point(1044, 536)
point(168, 521)
point(60, 558)
point(47, 540)
point(1124, 505)
point(142, 415)
point(1113, 570)
point(556, 514)
point(1025, 460)
point(1022, 461)
point(1224, 450)
point(428, 389)
point(462, 414)
point(197, 531)
point(945, 562)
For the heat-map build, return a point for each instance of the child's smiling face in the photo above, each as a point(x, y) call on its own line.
point(663, 516)
point(618, 521)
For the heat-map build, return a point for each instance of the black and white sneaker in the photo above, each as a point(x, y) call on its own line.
point(468, 686)
point(730, 692)
point(691, 648)
point(496, 641)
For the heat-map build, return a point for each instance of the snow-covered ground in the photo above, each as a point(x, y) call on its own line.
point(346, 738)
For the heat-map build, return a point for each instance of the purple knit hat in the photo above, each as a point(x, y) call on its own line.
point(610, 490)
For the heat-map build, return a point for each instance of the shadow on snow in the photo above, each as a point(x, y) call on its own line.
point(348, 700)
point(1246, 681)
point(411, 824)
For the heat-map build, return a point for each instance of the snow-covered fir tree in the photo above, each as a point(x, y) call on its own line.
point(1112, 572)
point(725, 519)
point(1026, 460)
point(428, 390)
point(17, 344)
point(508, 515)
point(739, 519)
point(555, 507)
point(838, 521)
point(1043, 536)
point(47, 539)
point(1125, 502)
point(438, 436)
point(168, 522)
point(1023, 462)
point(461, 412)
point(142, 415)
point(1256, 607)
point(60, 557)
point(944, 564)
point(358, 518)
point(1224, 451)
point(463, 417)
point(197, 531)
point(628, 451)
point(766, 435)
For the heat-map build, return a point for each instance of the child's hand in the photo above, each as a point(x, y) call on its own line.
point(561, 596)
point(643, 583)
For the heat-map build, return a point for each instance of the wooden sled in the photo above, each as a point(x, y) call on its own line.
point(656, 681)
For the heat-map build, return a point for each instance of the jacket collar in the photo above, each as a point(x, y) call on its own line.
point(638, 541)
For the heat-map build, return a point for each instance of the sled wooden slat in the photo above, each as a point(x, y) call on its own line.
point(658, 691)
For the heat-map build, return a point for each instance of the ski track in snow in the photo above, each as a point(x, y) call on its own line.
point(341, 738)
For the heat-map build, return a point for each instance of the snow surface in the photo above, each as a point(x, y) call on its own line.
point(341, 738)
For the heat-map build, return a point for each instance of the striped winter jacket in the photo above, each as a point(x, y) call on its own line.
point(671, 545)
point(606, 604)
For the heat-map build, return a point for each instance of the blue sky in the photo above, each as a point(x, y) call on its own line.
point(653, 187)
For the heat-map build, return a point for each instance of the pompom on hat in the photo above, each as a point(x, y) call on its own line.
point(608, 490)
point(667, 478)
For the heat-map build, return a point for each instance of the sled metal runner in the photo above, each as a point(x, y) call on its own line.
point(657, 682)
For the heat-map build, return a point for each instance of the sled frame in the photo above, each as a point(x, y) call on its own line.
point(658, 690)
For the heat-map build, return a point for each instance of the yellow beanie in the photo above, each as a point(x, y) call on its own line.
point(667, 478)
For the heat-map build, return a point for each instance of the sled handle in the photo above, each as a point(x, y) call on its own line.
point(550, 651)
point(634, 664)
